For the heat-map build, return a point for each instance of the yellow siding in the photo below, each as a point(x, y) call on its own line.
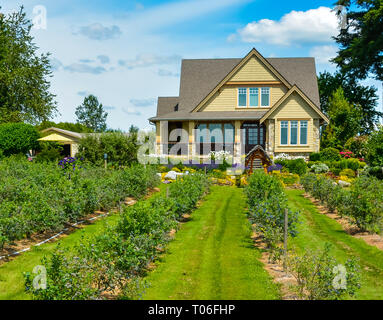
point(254, 70)
point(294, 108)
point(226, 99)
point(277, 93)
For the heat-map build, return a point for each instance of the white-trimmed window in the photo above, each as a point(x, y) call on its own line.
point(293, 132)
point(242, 97)
point(284, 132)
point(303, 132)
point(265, 97)
point(253, 97)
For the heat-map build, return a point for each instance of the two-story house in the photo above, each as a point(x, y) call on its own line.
point(238, 104)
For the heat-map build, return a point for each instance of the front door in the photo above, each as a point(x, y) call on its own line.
point(253, 134)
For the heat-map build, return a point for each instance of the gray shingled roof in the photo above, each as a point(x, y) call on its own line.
point(200, 76)
point(212, 115)
point(166, 105)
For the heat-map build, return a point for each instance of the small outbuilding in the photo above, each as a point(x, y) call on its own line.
point(68, 139)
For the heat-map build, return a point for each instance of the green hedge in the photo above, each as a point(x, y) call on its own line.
point(18, 138)
point(120, 148)
point(297, 166)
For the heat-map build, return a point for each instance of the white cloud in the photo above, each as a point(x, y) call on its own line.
point(143, 102)
point(109, 108)
point(167, 73)
point(97, 31)
point(84, 68)
point(312, 26)
point(55, 64)
point(178, 11)
point(83, 93)
point(323, 54)
point(146, 60)
point(104, 59)
point(131, 111)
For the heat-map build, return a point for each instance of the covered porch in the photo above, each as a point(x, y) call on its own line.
point(198, 138)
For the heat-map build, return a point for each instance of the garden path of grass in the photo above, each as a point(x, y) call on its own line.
point(316, 229)
point(11, 273)
point(213, 256)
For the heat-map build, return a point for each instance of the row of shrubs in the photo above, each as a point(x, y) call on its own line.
point(36, 198)
point(313, 270)
point(363, 202)
point(113, 263)
point(267, 203)
point(326, 154)
point(300, 167)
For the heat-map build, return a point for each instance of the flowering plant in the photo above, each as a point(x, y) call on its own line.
point(346, 154)
point(69, 163)
point(284, 156)
point(219, 155)
point(276, 167)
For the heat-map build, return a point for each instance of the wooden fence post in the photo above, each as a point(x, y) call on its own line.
point(285, 238)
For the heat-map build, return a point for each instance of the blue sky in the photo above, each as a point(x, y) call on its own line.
point(128, 53)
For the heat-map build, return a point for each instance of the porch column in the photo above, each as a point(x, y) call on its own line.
point(270, 137)
point(191, 140)
point(162, 136)
point(237, 142)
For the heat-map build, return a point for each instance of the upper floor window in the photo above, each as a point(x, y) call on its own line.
point(265, 97)
point(242, 97)
point(253, 97)
point(253, 100)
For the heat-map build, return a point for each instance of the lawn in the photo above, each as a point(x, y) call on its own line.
point(11, 273)
point(213, 256)
point(316, 229)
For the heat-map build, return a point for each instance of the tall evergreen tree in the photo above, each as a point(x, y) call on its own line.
point(361, 42)
point(91, 114)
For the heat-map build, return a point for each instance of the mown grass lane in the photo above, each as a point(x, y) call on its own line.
point(316, 229)
point(213, 256)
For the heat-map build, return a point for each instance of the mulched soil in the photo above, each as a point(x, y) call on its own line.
point(275, 270)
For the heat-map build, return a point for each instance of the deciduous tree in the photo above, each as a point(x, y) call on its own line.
point(24, 74)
